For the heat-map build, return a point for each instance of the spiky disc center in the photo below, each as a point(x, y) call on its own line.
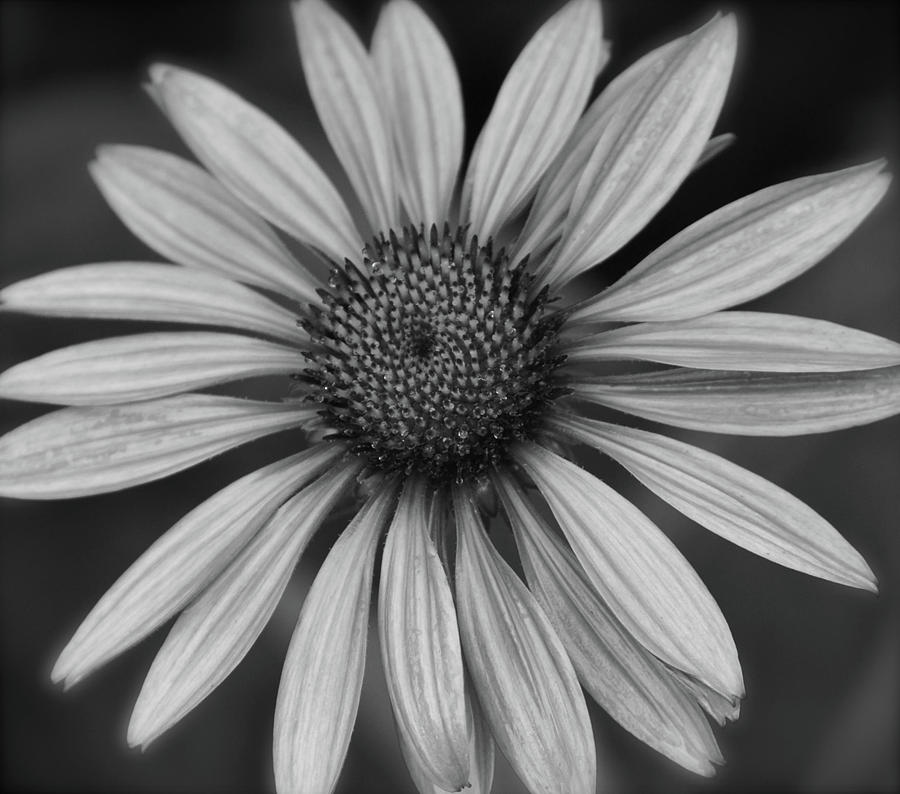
point(432, 357)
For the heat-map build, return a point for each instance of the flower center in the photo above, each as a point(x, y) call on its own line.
point(432, 357)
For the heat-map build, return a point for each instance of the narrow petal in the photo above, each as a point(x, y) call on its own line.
point(631, 685)
point(481, 754)
point(183, 213)
point(184, 561)
point(143, 291)
point(214, 633)
point(143, 366)
point(319, 692)
point(728, 500)
point(635, 568)
point(537, 107)
point(345, 90)
point(756, 341)
point(420, 645)
point(752, 403)
point(743, 250)
point(611, 108)
point(418, 78)
point(639, 162)
point(522, 675)
point(82, 451)
point(256, 160)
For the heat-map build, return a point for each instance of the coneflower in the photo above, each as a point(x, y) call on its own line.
point(441, 375)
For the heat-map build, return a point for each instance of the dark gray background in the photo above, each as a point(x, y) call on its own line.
point(815, 89)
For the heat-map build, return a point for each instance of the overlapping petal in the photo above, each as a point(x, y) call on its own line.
point(420, 645)
point(728, 500)
point(419, 80)
point(522, 675)
point(719, 707)
point(214, 633)
point(751, 403)
point(544, 224)
point(481, 754)
point(631, 685)
point(145, 291)
point(184, 560)
point(639, 162)
point(756, 341)
point(179, 210)
point(97, 449)
point(256, 160)
point(319, 692)
point(348, 98)
point(743, 250)
point(143, 366)
point(537, 107)
point(647, 583)
point(551, 204)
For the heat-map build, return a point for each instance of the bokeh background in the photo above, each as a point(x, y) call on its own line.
point(816, 88)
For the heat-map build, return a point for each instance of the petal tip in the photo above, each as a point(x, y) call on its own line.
point(159, 72)
point(722, 28)
point(870, 584)
point(65, 671)
point(141, 731)
point(58, 674)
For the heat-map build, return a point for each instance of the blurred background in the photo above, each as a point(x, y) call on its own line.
point(816, 88)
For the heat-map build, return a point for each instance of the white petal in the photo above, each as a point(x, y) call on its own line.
point(631, 685)
point(752, 403)
point(257, 160)
point(728, 500)
point(214, 633)
point(128, 368)
point(142, 291)
point(522, 675)
point(184, 560)
point(610, 109)
point(639, 162)
point(183, 213)
point(743, 250)
point(320, 685)
point(81, 451)
point(538, 105)
point(420, 645)
point(638, 572)
point(345, 90)
point(755, 341)
point(418, 78)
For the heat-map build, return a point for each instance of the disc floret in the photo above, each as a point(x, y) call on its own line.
point(434, 355)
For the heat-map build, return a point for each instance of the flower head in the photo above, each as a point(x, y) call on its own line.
point(441, 376)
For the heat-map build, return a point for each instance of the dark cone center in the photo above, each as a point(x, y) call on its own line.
point(433, 356)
